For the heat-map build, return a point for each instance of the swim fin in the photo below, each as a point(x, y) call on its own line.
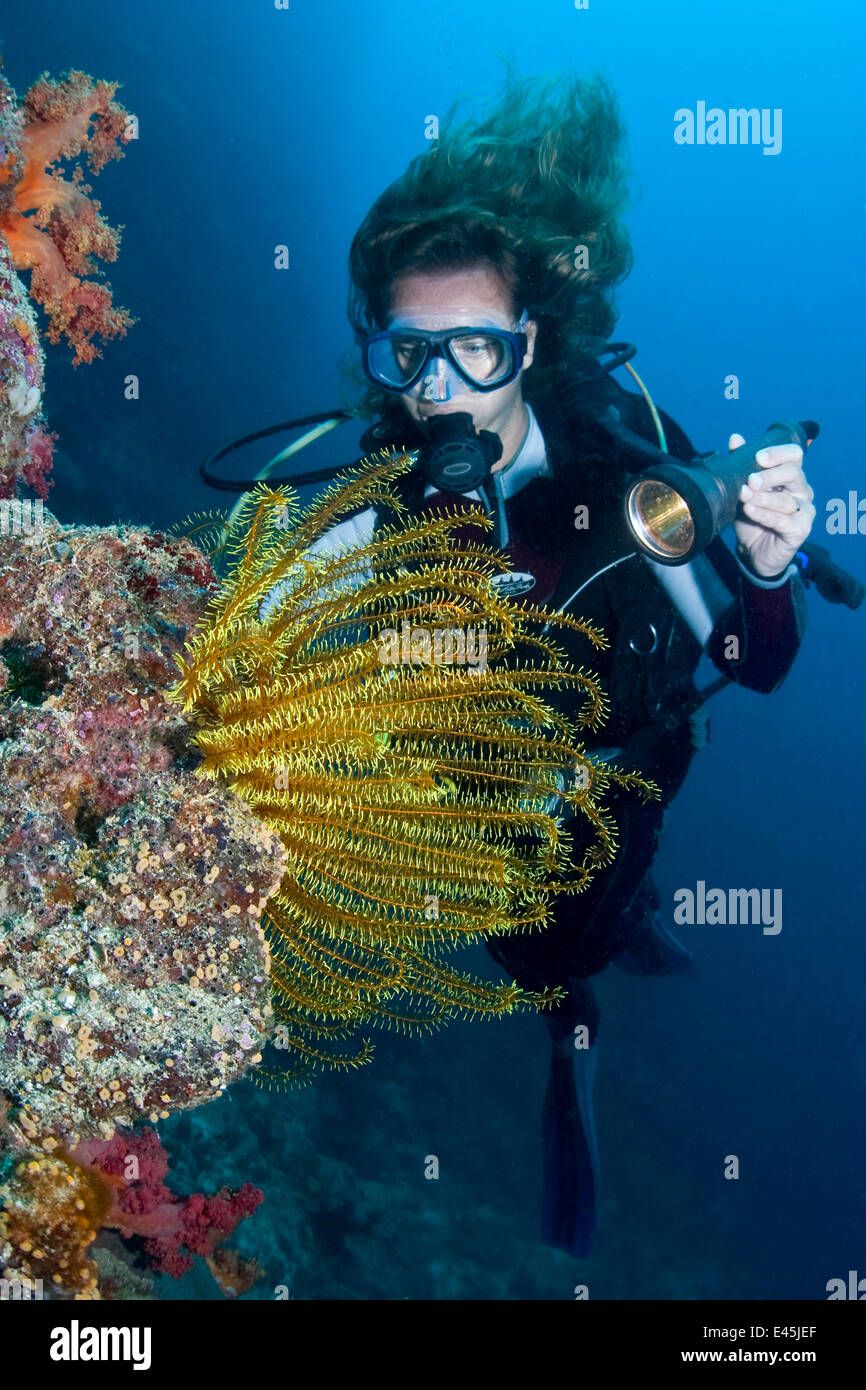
point(652, 947)
point(654, 950)
point(570, 1146)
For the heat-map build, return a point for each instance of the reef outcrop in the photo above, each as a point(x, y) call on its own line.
point(133, 969)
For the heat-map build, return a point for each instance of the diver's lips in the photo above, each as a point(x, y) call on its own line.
point(432, 414)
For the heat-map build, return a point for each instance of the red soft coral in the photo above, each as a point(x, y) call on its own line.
point(134, 1166)
point(53, 227)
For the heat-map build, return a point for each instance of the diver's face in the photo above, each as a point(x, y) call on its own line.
point(470, 298)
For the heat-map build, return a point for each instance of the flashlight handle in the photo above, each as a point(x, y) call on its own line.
point(730, 470)
point(800, 432)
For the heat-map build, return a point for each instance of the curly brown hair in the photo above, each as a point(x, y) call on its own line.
point(543, 174)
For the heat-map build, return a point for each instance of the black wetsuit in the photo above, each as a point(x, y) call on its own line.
point(580, 449)
point(648, 669)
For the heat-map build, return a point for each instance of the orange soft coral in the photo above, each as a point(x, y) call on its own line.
point(53, 227)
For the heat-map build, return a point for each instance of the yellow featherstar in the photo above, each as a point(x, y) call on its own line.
point(419, 800)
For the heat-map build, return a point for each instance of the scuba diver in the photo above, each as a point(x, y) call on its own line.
point(482, 302)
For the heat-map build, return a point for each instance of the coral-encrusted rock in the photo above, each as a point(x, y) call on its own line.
point(52, 1212)
point(133, 969)
point(25, 445)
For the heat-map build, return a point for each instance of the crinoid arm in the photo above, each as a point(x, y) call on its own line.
point(418, 793)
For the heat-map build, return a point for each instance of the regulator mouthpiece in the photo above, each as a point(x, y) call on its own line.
point(455, 458)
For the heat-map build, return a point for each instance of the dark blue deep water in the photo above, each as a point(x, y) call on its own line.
point(261, 126)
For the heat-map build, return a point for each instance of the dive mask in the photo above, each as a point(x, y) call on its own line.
point(484, 358)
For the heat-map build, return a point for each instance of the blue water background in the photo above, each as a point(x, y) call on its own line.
point(261, 127)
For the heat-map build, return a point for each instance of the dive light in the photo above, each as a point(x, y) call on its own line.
point(674, 510)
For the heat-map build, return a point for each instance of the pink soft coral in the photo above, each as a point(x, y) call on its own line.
point(134, 1167)
point(53, 227)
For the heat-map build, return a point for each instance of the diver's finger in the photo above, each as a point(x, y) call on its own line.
point(780, 475)
point(735, 441)
point(783, 501)
point(775, 454)
point(782, 514)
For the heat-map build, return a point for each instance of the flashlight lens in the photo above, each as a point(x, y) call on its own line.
point(661, 519)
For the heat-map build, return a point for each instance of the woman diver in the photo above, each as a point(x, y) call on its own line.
point(482, 287)
point(481, 298)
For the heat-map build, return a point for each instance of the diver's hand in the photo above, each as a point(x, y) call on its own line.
point(777, 509)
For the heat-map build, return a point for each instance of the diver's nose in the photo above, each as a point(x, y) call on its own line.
point(435, 384)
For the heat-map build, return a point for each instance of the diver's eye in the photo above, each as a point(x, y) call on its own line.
point(485, 356)
point(407, 351)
